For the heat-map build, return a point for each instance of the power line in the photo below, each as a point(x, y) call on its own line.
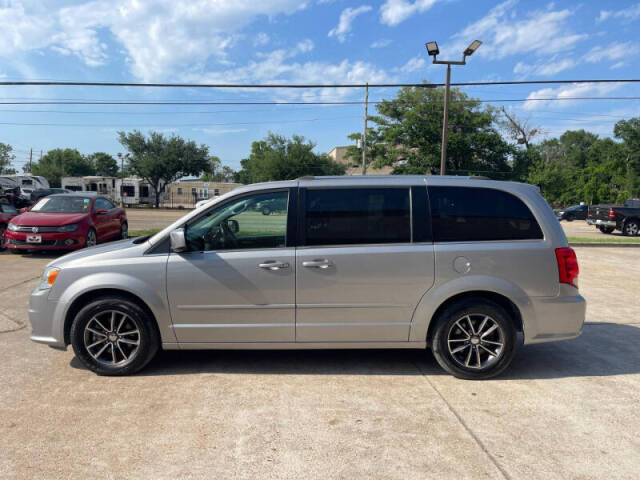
point(208, 124)
point(297, 86)
point(354, 102)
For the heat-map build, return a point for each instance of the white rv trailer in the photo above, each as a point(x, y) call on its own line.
point(27, 183)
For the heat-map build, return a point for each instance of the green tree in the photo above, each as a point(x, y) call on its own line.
point(60, 163)
point(280, 158)
point(409, 128)
point(6, 158)
point(629, 132)
point(160, 160)
point(104, 164)
point(218, 172)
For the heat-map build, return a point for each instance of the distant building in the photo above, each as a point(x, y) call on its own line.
point(354, 166)
point(187, 192)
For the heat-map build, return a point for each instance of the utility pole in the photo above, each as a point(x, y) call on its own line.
point(434, 51)
point(30, 159)
point(364, 132)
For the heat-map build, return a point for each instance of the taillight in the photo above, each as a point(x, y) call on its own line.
point(612, 213)
point(567, 266)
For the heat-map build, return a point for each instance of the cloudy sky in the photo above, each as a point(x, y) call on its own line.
point(296, 41)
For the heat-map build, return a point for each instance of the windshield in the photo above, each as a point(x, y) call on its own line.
point(62, 205)
point(5, 208)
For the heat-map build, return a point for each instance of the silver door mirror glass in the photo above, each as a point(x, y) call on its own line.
point(178, 241)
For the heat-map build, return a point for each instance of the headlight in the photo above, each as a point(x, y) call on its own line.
point(48, 277)
point(13, 227)
point(72, 227)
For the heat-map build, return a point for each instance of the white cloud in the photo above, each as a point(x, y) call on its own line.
point(617, 65)
point(546, 68)
point(221, 131)
point(626, 14)
point(161, 38)
point(261, 39)
point(537, 100)
point(542, 32)
point(394, 12)
point(415, 63)
point(384, 42)
point(612, 52)
point(347, 17)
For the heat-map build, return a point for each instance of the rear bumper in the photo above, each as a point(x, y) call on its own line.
point(602, 223)
point(555, 318)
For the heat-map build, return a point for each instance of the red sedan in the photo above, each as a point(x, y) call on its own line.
point(66, 222)
point(7, 212)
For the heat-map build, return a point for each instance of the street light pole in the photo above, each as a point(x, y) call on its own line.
point(445, 124)
point(434, 51)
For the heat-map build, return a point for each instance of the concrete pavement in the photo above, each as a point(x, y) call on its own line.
point(564, 410)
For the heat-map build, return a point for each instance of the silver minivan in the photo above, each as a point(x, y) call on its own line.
point(463, 266)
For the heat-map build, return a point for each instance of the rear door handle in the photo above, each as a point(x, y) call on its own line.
point(273, 265)
point(318, 263)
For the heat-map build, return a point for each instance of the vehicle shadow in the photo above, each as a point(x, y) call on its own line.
point(603, 349)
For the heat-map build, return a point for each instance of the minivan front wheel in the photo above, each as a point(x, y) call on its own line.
point(474, 339)
point(114, 336)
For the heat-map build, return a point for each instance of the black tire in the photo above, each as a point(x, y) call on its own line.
point(631, 228)
point(266, 211)
point(87, 239)
point(3, 228)
point(607, 230)
point(148, 338)
point(15, 251)
point(569, 218)
point(476, 310)
point(124, 231)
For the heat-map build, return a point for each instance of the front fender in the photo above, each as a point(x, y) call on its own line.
point(439, 294)
point(152, 294)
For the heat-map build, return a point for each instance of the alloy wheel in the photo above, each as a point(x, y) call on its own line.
point(91, 239)
point(476, 341)
point(631, 229)
point(112, 338)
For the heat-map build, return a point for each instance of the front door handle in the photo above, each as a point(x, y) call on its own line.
point(273, 265)
point(318, 263)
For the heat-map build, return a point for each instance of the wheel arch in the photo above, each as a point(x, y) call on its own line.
point(86, 297)
point(501, 300)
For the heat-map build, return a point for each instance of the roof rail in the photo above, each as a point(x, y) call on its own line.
point(478, 177)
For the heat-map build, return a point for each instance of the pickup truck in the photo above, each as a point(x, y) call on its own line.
point(608, 218)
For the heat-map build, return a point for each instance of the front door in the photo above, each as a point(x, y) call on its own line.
point(360, 274)
point(236, 282)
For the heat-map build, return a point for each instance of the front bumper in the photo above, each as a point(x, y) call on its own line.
point(44, 328)
point(50, 241)
point(555, 318)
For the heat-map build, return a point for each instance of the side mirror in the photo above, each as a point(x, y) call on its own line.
point(101, 211)
point(178, 241)
point(23, 210)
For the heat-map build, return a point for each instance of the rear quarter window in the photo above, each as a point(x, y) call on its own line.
point(463, 214)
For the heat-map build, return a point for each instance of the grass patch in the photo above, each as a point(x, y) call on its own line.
point(142, 233)
point(604, 239)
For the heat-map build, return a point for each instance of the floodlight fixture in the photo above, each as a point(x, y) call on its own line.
point(432, 48)
point(472, 48)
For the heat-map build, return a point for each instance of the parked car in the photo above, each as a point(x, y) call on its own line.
point(608, 218)
point(267, 207)
point(66, 222)
point(44, 192)
point(455, 264)
point(574, 212)
point(7, 212)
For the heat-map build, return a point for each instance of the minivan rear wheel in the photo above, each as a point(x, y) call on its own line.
point(474, 339)
point(114, 336)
